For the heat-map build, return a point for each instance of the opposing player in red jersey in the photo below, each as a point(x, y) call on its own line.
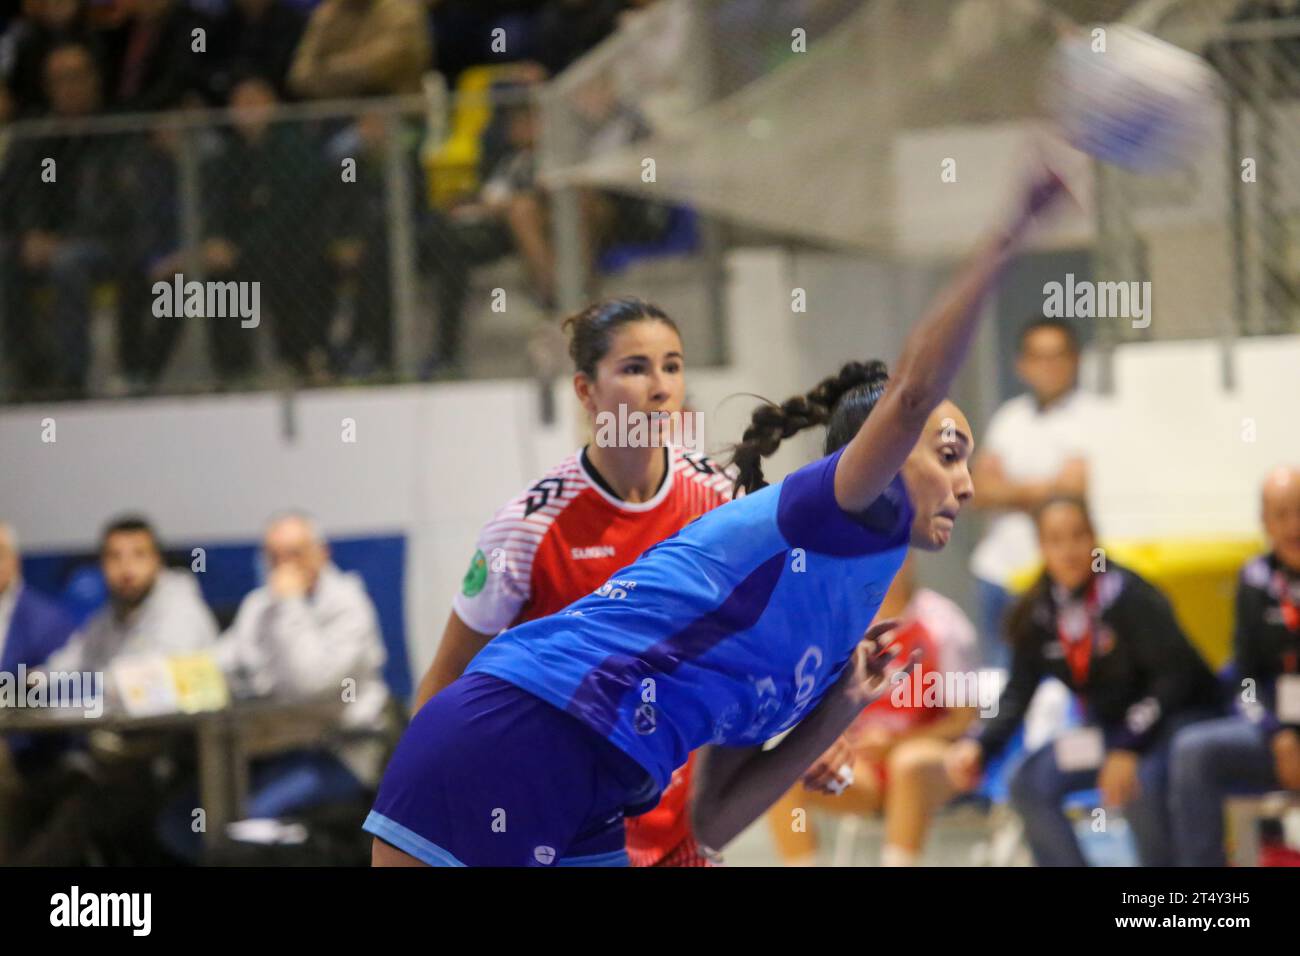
point(591, 515)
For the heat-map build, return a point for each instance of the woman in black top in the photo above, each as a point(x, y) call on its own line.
point(1110, 637)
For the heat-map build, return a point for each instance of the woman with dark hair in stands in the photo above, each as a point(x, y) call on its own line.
point(1112, 638)
point(753, 619)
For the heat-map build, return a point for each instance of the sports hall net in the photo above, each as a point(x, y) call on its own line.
point(787, 118)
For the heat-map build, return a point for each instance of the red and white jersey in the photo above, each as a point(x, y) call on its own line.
point(567, 534)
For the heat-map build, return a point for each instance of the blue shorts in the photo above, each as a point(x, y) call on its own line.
point(489, 775)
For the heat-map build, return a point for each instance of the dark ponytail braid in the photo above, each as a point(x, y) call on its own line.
point(841, 402)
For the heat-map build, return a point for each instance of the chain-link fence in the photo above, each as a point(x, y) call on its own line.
point(434, 237)
point(1222, 237)
point(275, 245)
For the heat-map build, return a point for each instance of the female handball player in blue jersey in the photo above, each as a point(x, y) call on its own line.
point(752, 619)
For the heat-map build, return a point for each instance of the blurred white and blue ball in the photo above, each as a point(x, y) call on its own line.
point(1136, 101)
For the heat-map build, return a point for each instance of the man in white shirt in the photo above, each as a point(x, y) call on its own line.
point(1036, 446)
point(150, 609)
point(311, 630)
point(108, 799)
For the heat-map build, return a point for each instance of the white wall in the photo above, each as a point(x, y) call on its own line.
point(1181, 455)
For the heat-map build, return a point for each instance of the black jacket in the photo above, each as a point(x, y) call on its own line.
point(1143, 669)
point(169, 69)
point(86, 200)
point(266, 196)
point(1264, 647)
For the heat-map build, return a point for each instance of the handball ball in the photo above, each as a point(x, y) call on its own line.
point(1131, 99)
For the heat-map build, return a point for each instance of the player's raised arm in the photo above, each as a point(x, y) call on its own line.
point(931, 357)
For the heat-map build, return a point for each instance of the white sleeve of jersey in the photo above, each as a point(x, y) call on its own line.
point(496, 585)
point(711, 473)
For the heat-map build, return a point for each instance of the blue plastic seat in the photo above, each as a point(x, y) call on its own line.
point(681, 237)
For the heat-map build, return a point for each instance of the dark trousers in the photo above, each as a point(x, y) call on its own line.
point(145, 342)
point(1038, 787)
point(372, 324)
point(51, 350)
point(452, 250)
point(291, 309)
point(1211, 761)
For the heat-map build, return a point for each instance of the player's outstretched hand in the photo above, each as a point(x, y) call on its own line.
point(873, 666)
point(833, 771)
point(1045, 188)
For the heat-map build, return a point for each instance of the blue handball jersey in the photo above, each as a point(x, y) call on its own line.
point(728, 632)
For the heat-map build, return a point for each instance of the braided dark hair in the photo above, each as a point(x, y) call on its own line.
point(842, 402)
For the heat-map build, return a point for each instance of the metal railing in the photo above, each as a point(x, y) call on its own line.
point(366, 241)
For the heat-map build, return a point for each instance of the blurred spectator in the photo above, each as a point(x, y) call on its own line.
point(151, 609)
point(311, 630)
point(31, 628)
point(896, 751)
point(362, 48)
point(154, 63)
point(357, 231)
point(462, 34)
point(610, 218)
point(64, 230)
point(151, 180)
point(1259, 749)
point(24, 47)
point(1112, 638)
point(566, 29)
point(509, 214)
point(1035, 448)
point(257, 38)
point(262, 192)
point(108, 794)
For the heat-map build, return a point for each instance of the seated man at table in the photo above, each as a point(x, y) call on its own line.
point(151, 608)
point(31, 628)
point(1259, 749)
point(310, 631)
point(110, 793)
